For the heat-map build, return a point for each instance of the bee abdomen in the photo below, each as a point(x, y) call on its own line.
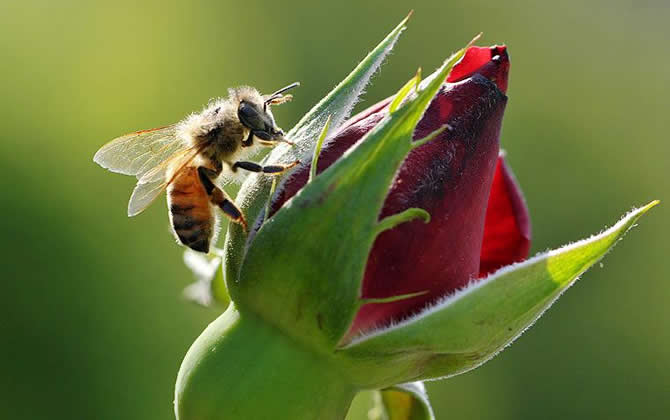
point(190, 212)
point(192, 232)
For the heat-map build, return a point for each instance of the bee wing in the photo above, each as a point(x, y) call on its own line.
point(154, 181)
point(140, 152)
point(143, 195)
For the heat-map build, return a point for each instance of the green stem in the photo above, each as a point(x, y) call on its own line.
point(241, 368)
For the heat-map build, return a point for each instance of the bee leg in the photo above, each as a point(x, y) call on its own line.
point(223, 201)
point(219, 198)
point(268, 169)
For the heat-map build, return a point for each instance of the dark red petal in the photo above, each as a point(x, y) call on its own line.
point(490, 62)
point(449, 177)
point(507, 225)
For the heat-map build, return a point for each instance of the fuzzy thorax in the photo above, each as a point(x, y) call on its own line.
point(218, 128)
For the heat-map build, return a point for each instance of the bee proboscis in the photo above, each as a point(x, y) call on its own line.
point(187, 158)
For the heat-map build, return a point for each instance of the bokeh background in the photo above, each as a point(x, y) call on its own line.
point(92, 322)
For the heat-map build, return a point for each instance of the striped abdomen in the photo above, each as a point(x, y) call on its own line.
point(191, 214)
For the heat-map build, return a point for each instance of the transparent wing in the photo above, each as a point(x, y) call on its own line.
point(140, 152)
point(153, 182)
point(143, 195)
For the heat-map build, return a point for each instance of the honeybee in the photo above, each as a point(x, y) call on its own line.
point(187, 158)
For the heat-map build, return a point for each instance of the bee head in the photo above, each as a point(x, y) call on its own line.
point(254, 113)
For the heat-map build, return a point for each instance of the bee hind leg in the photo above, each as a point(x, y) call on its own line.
point(219, 198)
point(268, 169)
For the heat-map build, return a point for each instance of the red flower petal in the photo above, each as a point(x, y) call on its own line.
point(490, 62)
point(507, 225)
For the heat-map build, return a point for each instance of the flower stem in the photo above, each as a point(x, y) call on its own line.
point(242, 368)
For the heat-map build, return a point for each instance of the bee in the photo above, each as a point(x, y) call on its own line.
point(188, 158)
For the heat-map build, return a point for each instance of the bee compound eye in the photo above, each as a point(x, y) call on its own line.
point(250, 116)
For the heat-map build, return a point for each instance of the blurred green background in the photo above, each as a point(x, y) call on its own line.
point(93, 324)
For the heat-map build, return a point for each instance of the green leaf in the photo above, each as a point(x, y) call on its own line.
point(402, 402)
point(337, 105)
point(468, 328)
point(304, 269)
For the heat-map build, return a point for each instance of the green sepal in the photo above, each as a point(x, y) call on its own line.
point(402, 402)
point(404, 216)
point(317, 149)
point(336, 106)
point(303, 271)
point(430, 137)
point(468, 328)
point(388, 299)
point(405, 91)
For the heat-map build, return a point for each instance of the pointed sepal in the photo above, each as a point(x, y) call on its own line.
point(464, 330)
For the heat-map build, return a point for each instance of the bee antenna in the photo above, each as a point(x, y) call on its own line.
point(278, 93)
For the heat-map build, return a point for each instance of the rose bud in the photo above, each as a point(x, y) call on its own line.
point(364, 272)
point(449, 177)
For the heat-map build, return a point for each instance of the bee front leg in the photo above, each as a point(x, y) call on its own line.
point(219, 198)
point(268, 169)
